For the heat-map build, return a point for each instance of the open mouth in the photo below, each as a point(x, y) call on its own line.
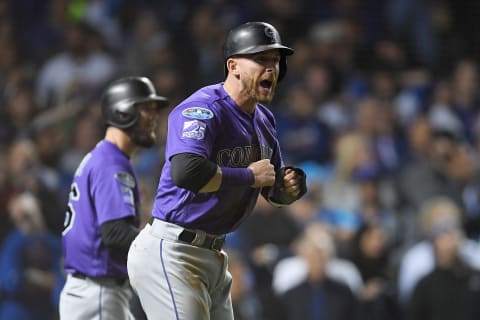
point(267, 84)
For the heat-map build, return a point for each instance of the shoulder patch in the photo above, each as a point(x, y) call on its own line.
point(194, 129)
point(197, 113)
point(126, 179)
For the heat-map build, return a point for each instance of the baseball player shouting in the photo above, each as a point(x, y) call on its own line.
point(103, 209)
point(222, 152)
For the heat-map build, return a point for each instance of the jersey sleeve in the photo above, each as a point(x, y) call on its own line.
point(114, 193)
point(192, 129)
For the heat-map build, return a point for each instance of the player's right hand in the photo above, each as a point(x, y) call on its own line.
point(264, 173)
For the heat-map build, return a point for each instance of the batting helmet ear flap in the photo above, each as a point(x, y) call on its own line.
point(282, 67)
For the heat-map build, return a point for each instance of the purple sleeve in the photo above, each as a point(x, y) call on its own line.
point(113, 191)
point(191, 131)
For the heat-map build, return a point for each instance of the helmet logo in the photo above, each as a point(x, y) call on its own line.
point(269, 32)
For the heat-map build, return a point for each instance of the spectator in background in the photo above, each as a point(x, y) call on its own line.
point(246, 305)
point(465, 100)
point(43, 19)
point(147, 45)
point(19, 113)
point(27, 173)
point(303, 136)
point(452, 289)
point(371, 255)
point(169, 80)
point(206, 32)
point(419, 136)
point(6, 191)
point(299, 62)
point(318, 296)
point(341, 193)
point(412, 20)
point(414, 94)
point(49, 144)
point(85, 134)
point(376, 203)
point(267, 236)
point(441, 112)
point(79, 68)
point(291, 271)
point(323, 85)
point(375, 120)
point(351, 153)
point(30, 265)
point(430, 177)
point(419, 260)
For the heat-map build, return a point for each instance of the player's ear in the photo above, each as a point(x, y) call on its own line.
point(232, 66)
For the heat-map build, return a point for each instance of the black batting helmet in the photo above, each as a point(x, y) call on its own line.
point(120, 97)
point(254, 37)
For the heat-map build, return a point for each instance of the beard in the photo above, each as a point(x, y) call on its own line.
point(142, 137)
point(251, 88)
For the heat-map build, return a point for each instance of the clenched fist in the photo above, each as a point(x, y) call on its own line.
point(264, 173)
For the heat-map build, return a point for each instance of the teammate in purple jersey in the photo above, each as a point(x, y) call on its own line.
point(102, 218)
point(222, 152)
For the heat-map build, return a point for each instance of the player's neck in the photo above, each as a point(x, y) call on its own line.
point(119, 138)
point(235, 92)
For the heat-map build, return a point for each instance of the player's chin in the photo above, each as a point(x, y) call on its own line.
point(145, 141)
point(265, 99)
point(265, 95)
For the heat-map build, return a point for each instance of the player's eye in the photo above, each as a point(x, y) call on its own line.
point(263, 59)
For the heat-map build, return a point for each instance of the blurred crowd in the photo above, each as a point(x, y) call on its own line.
point(380, 107)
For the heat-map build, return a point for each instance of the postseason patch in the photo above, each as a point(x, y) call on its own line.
point(126, 179)
point(197, 113)
point(127, 184)
point(194, 129)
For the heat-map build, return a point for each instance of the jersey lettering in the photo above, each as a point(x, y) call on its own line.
point(266, 152)
point(82, 165)
point(242, 156)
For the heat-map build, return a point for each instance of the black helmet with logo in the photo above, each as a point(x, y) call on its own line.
point(120, 97)
point(255, 37)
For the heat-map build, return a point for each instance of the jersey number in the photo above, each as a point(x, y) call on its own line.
point(69, 218)
point(70, 214)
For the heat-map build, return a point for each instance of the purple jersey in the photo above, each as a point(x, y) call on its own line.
point(104, 188)
point(210, 124)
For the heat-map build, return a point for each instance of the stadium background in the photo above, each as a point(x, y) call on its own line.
point(380, 106)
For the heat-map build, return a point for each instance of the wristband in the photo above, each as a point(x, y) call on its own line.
point(237, 176)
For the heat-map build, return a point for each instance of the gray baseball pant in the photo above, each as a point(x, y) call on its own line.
point(178, 281)
point(88, 299)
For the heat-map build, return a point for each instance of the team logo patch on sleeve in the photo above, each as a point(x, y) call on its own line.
point(194, 129)
point(197, 113)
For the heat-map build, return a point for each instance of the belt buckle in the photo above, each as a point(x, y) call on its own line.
point(200, 237)
point(217, 243)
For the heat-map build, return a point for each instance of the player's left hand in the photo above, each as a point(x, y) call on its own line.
point(292, 182)
point(290, 185)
